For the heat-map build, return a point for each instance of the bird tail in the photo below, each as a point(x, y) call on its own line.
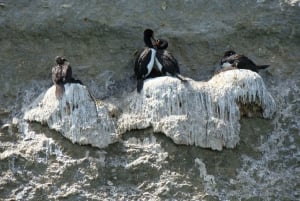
point(73, 80)
point(140, 84)
point(262, 67)
point(180, 77)
point(59, 90)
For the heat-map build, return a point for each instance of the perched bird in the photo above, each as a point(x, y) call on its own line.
point(165, 61)
point(62, 74)
point(233, 60)
point(145, 60)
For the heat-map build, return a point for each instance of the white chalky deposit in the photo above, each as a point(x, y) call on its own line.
point(75, 115)
point(204, 114)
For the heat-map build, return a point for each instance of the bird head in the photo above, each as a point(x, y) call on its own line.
point(60, 60)
point(229, 53)
point(149, 33)
point(161, 44)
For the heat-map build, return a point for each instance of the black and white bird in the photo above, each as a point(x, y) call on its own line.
point(233, 60)
point(165, 61)
point(62, 74)
point(145, 60)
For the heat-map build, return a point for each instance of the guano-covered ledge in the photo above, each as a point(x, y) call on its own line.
point(204, 114)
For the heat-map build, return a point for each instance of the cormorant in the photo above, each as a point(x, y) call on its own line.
point(145, 60)
point(234, 60)
point(62, 74)
point(165, 61)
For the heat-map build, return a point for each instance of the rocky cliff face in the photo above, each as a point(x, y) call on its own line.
point(204, 114)
point(100, 38)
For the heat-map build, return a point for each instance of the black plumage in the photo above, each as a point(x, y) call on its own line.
point(165, 61)
point(62, 74)
point(145, 60)
point(234, 60)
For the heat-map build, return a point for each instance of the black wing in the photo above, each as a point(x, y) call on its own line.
point(240, 61)
point(168, 62)
point(67, 73)
point(141, 62)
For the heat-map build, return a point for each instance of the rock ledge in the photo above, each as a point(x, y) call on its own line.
point(204, 114)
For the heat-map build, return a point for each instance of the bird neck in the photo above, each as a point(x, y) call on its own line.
point(148, 42)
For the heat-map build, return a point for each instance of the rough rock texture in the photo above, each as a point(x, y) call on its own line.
point(75, 115)
point(204, 114)
point(99, 39)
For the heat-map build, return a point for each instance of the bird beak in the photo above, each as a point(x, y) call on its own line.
point(153, 38)
point(154, 41)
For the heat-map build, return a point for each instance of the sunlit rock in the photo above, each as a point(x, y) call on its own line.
point(204, 114)
point(75, 115)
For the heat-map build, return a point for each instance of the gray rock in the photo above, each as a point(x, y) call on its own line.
point(75, 115)
point(204, 114)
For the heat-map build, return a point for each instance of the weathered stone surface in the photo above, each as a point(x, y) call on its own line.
point(99, 38)
point(75, 115)
point(204, 114)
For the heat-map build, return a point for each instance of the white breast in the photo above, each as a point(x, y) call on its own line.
point(158, 64)
point(151, 63)
point(226, 65)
